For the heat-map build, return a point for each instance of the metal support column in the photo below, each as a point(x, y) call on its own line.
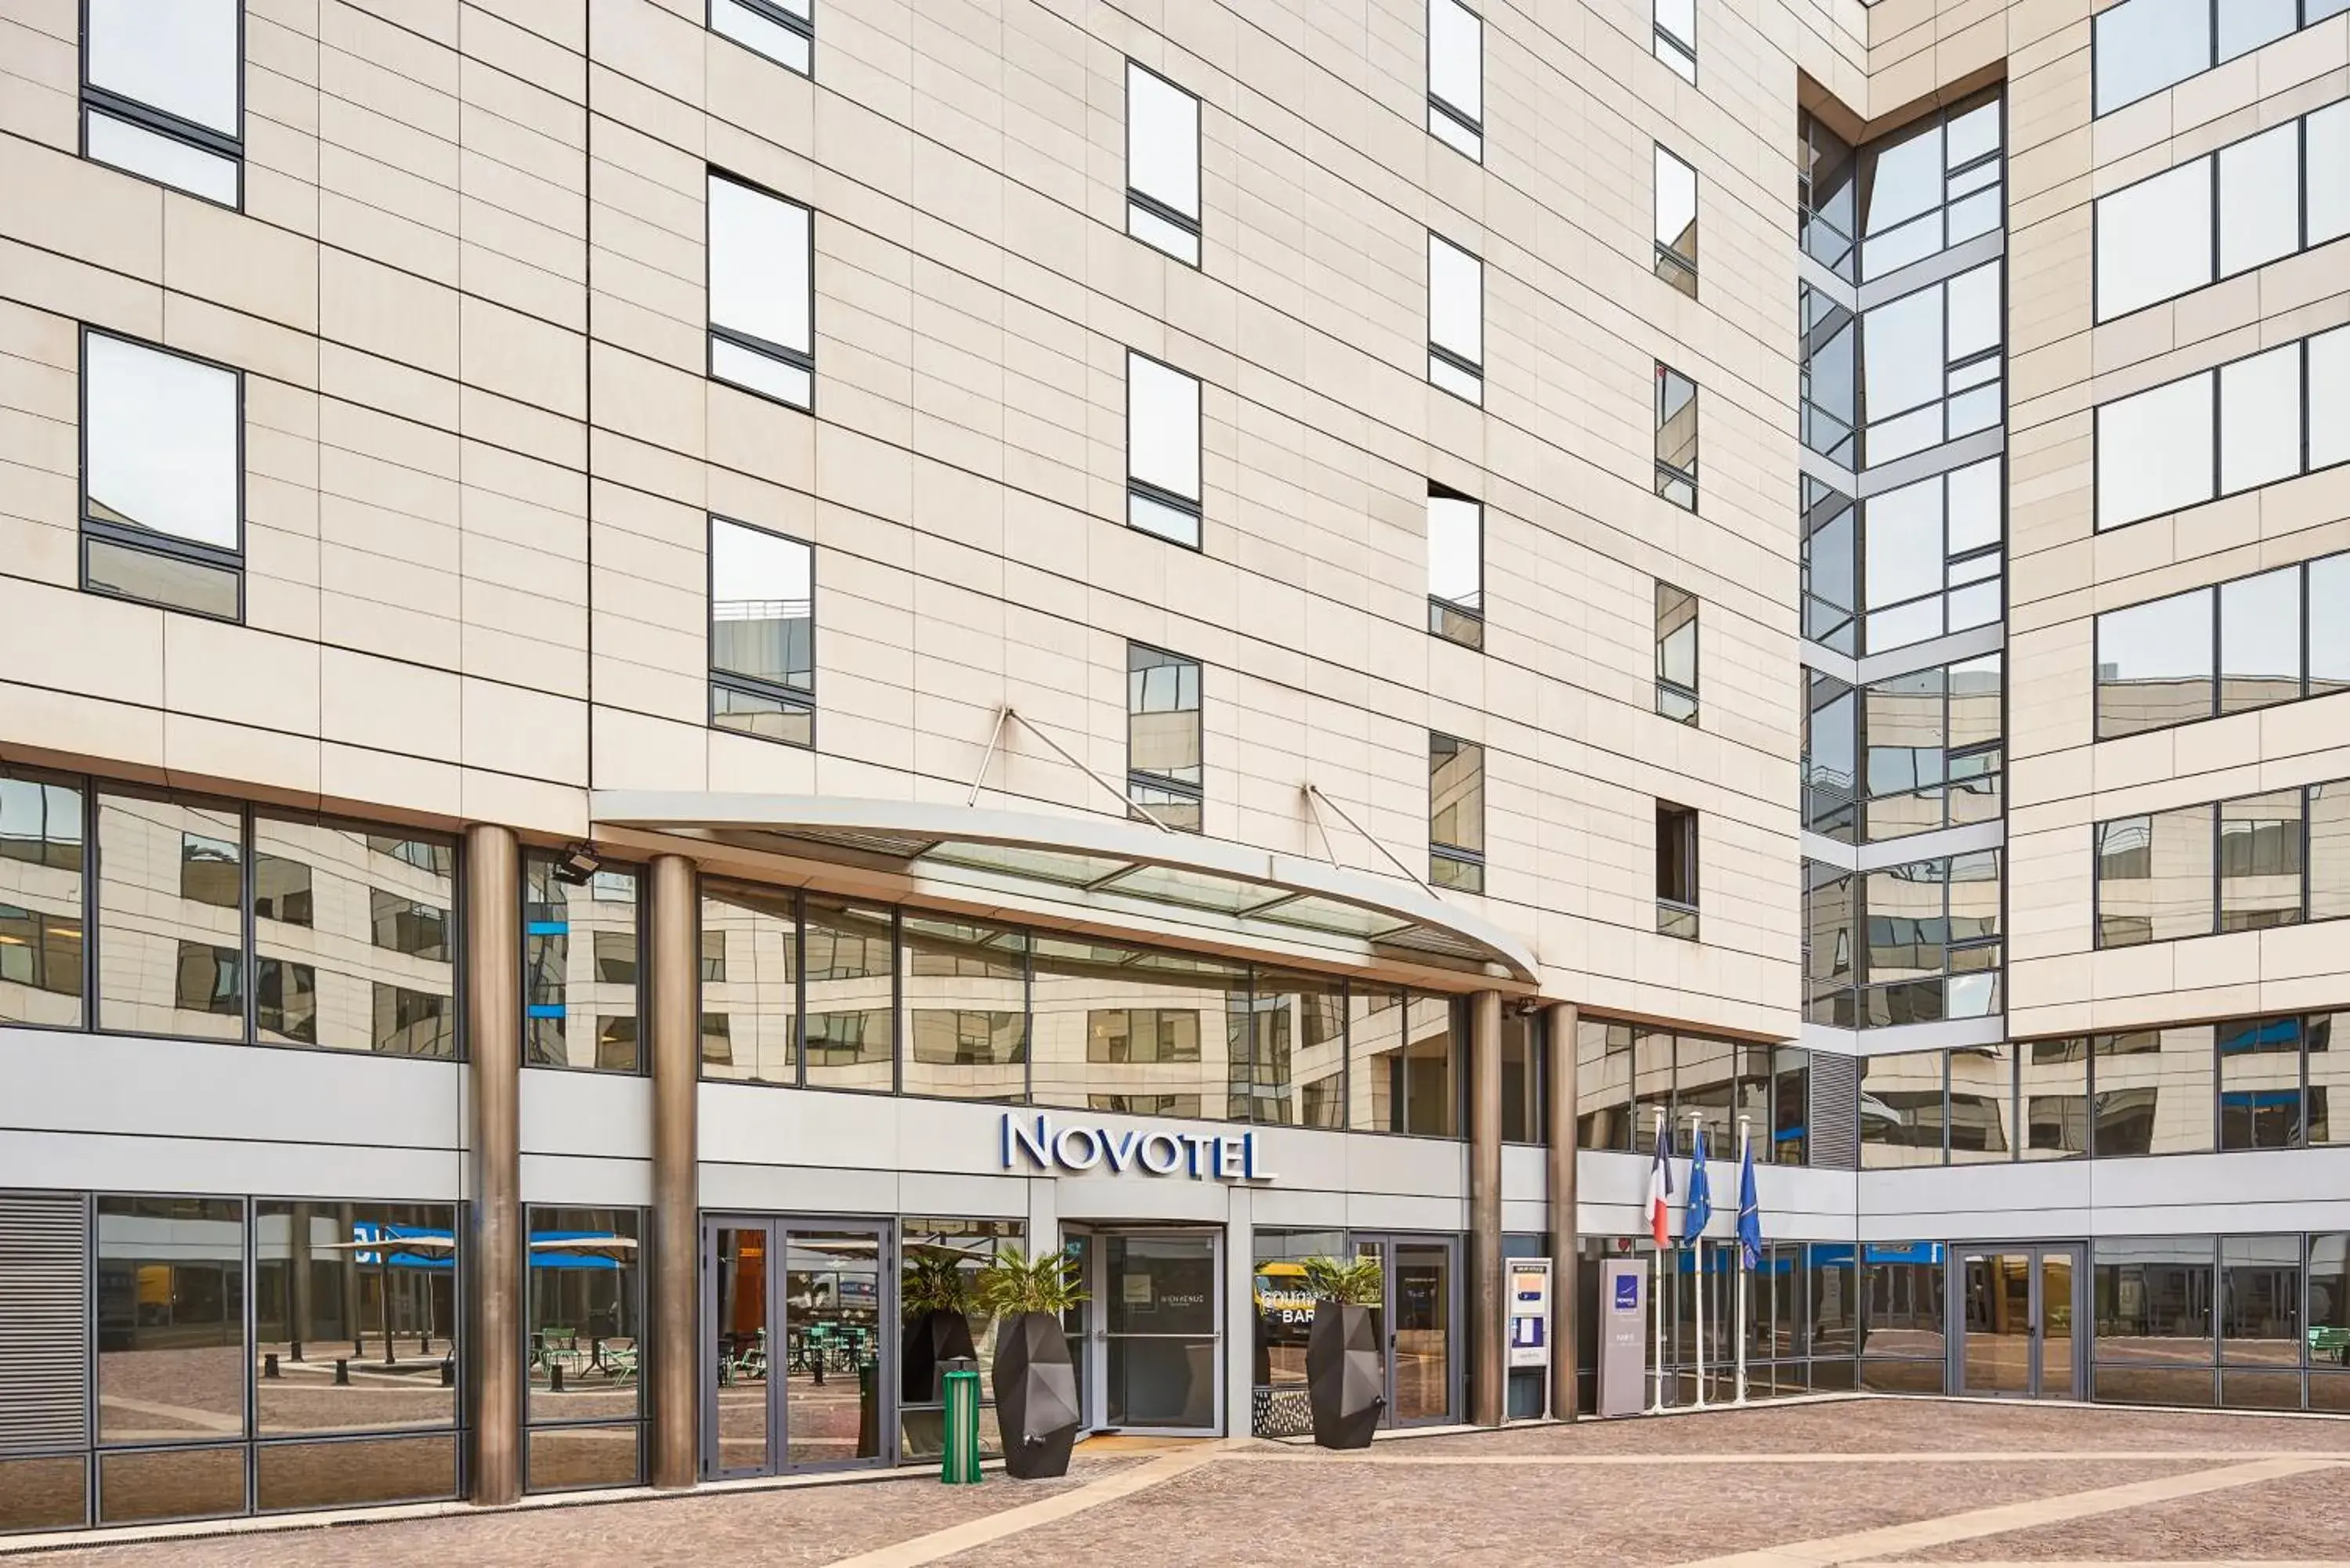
point(1558, 1187)
point(493, 1039)
point(674, 1371)
point(1488, 1404)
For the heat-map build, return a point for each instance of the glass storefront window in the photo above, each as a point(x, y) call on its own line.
point(354, 938)
point(966, 995)
point(372, 1283)
point(171, 1320)
point(1705, 1082)
point(1835, 1300)
point(1603, 1085)
point(41, 870)
point(938, 1260)
point(580, 964)
point(849, 1037)
point(750, 983)
point(1521, 1077)
point(2261, 1301)
point(585, 1325)
point(2154, 1310)
point(1284, 1319)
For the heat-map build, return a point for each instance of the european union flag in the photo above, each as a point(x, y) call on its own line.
point(1750, 1216)
point(1700, 1209)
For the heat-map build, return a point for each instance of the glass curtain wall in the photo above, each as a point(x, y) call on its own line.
point(584, 1346)
point(1904, 496)
point(810, 991)
point(1627, 1074)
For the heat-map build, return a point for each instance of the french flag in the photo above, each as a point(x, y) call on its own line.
point(1660, 1196)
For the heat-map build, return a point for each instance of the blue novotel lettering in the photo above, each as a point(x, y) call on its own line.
point(1076, 1147)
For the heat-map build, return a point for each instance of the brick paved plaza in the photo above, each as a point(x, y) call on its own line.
point(1792, 1486)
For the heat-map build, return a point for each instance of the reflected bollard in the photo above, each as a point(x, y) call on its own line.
point(269, 1365)
point(342, 1373)
point(296, 1352)
point(958, 1458)
point(554, 1377)
point(448, 1375)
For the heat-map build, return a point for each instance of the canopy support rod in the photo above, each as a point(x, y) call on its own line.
point(1115, 792)
point(994, 736)
point(1314, 794)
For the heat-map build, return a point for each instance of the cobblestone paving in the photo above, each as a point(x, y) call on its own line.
point(1785, 1476)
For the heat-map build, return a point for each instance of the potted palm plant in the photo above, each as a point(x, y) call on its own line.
point(1036, 1382)
point(1345, 1375)
point(934, 1300)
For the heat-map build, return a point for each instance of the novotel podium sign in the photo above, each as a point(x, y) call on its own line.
point(1076, 1147)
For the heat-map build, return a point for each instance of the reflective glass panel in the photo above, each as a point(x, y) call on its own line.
point(2154, 1093)
point(2326, 135)
point(2260, 861)
point(2155, 876)
point(171, 1321)
point(2153, 450)
point(1603, 1085)
point(2155, 664)
point(178, 56)
point(1456, 301)
point(1675, 222)
point(1163, 426)
point(1298, 1075)
point(1901, 1110)
point(1456, 573)
point(1902, 354)
point(750, 989)
point(2260, 419)
point(1163, 734)
point(1677, 437)
point(2144, 46)
point(2259, 190)
point(2154, 1299)
point(355, 939)
point(41, 870)
point(2329, 398)
point(2146, 239)
point(2052, 1089)
point(847, 953)
point(1138, 1030)
point(159, 440)
point(2260, 1083)
point(302, 1477)
point(832, 1343)
point(155, 156)
point(372, 1283)
point(2329, 851)
point(579, 968)
point(787, 47)
point(1162, 140)
point(759, 261)
point(586, 1306)
point(171, 899)
point(1456, 70)
point(2259, 640)
point(761, 620)
point(1456, 794)
point(966, 991)
point(2246, 25)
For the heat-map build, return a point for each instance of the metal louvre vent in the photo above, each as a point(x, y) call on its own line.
point(44, 1322)
point(1834, 1139)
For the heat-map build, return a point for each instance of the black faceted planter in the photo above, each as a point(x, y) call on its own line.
point(1346, 1376)
point(936, 1337)
point(1036, 1396)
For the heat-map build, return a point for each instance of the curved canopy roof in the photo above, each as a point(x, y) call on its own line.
point(1107, 867)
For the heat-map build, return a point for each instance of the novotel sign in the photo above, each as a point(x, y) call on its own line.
point(1076, 1147)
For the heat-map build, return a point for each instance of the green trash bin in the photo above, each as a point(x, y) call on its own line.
point(959, 1455)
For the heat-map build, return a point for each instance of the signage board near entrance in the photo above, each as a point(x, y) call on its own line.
point(1623, 1335)
point(1077, 1147)
point(1529, 1312)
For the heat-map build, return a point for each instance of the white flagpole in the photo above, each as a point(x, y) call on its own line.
point(1697, 1122)
point(1742, 1137)
point(1657, 1288)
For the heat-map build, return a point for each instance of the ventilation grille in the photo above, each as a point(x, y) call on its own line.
point(44, 1322)
point(1834, 1136)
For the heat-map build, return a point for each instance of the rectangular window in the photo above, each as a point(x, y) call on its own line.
point(1164, 772)
point(1162, 450)
point(1903, 1109)
point(1676, 870)
point(171, 899)
point(42, 867)
point(1162, 165)
point(2251, 422)
point(354, 939)
point(581, 963)
point(1932, 365)
point(2329, 858)
point(1137, 1031)
point(2260, 1083)
point(762, 292)
point(2155, 664)
point(586, 1334)
point(1406, 1069)
point(1931, 185)
point(762, 633)
point(851, 1015)
point(2145, 45)
point(1298, 1072)
point(1930, 749)
point(751, 1004)
point(1456, 77)
point(965, 987)
point(2260, 861)
point(162, 92)
point(162, 483)
point(2154, 1092)
point(2259, 640)
point(1456, 813)
point(2155, 876)
point(1456, 319)
point(1456, 568)
point(2151, 239)
point(1676, 36)
point(1675, 438)
point(783, 30)
point(1675, 215)
point(2052, 1092)
point(1676, 654)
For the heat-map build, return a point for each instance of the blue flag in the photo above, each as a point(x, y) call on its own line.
point(1750, 1216)
point(1700, 1209)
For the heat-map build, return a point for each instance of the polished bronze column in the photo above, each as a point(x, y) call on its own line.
point(1559, 1113)
point(1487, 1380)
point(494, 1038)
point(673, 1369)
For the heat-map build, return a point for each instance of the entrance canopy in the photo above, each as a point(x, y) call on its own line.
point(1105, 870)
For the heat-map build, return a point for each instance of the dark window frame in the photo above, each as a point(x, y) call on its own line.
point(1470, 862)
point(1472, 126)
point(1678, 869)
point(716, 333)
point(1671, 473)
point(1442, 611)
point(789, 697)
point(1152, 205)
point(1144, 778)
point(1453, 358)
point(1195, 508)
point(97, 100)
point(642, 986)
point(1667, 256)
point(168, 547)
point(768, 11)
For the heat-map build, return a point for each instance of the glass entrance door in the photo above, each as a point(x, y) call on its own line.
point(2018, 1333)
point(1159, 1359)
point(798, 1319)
point(1423, 1308)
